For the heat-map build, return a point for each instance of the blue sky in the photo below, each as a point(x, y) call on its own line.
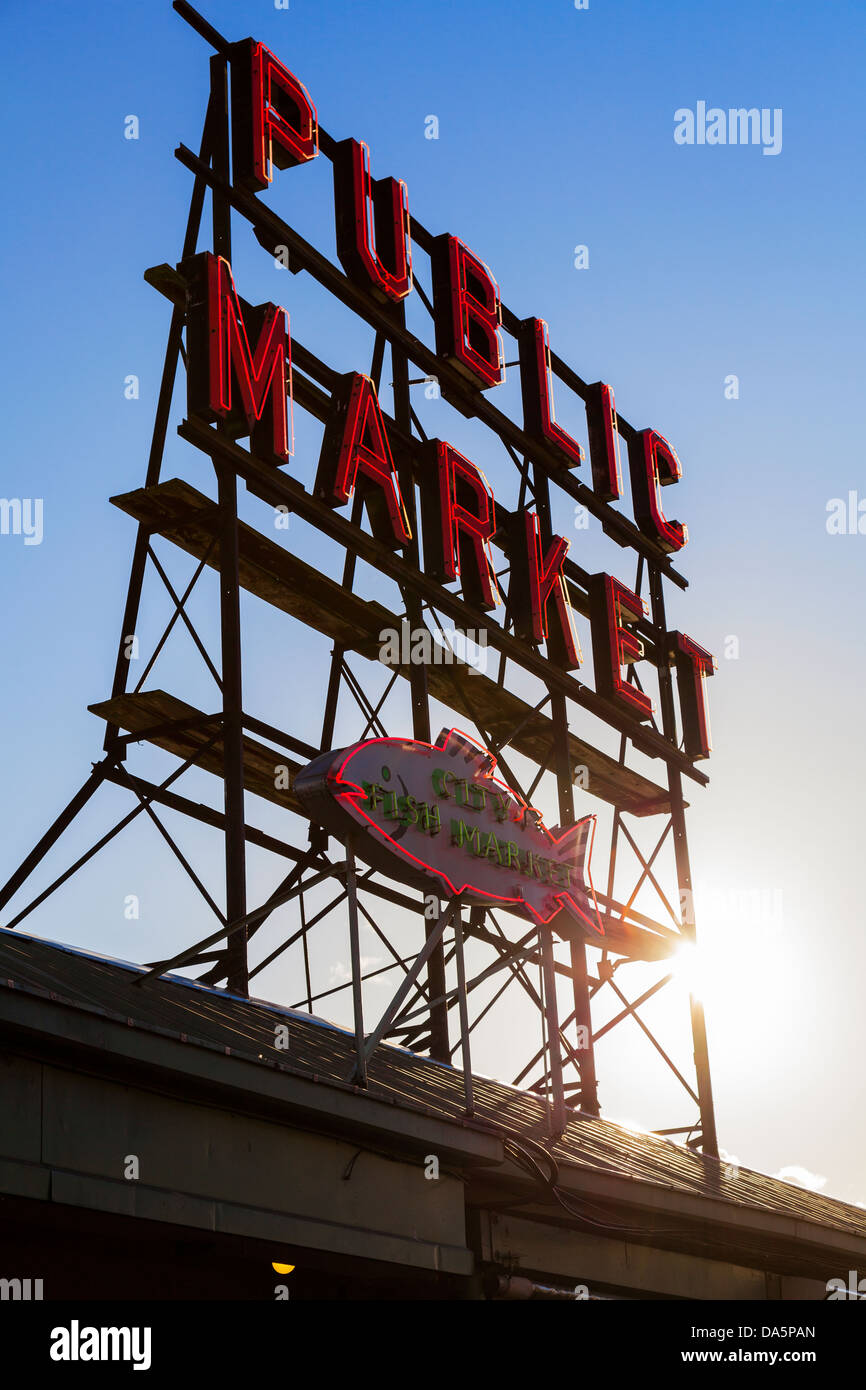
point(556, 129)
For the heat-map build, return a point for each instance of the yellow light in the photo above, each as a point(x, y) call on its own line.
point(281, 1269)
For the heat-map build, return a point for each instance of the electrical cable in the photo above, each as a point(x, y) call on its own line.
point(521, 1152)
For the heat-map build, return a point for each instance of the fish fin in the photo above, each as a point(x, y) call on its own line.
point(458, 745)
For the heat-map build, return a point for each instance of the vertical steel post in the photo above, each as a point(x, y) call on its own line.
point(230, 622)
point(463, 1009)
point(554, 1046)
point(233, 734)
point(439, 1042)
point(355, 960)
point(709, 1139)
point(565, 791)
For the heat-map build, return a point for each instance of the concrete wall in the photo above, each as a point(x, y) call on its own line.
point(68, 1137)
point(602, 1264)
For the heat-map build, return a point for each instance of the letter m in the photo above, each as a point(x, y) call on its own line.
point(461, 835)
point(10, 1288)
point(741, 123)
point(227, 379)
point(116, 1343)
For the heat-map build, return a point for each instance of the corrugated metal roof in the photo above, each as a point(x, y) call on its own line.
point(215, 1019)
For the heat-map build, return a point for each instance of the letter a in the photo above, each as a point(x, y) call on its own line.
point(356, 453)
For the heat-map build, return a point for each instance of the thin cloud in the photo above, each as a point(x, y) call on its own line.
point(801, 1177)
point(341, 974)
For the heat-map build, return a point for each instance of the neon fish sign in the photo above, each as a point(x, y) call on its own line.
point(435, 817)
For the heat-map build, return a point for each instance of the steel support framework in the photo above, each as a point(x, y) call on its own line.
point(424, 1013)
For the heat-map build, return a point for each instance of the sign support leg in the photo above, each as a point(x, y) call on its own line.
point(709, 1139)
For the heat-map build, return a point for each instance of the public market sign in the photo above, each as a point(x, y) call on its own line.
point(239, 372)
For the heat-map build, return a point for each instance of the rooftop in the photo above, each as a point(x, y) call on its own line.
point(207, 1018)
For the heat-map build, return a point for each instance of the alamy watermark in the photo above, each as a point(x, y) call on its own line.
point(714, 125)
point(22, 516)
point(408, 646)
point(846, 516)
point(77, 1343)
point(854, 1290)
point(21, 1290)
point(764, 907)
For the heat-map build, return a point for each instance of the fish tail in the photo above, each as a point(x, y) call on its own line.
point(571, 843)
point(573, 848)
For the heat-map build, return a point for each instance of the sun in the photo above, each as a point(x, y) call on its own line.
point(688, 966)
point(741, 948)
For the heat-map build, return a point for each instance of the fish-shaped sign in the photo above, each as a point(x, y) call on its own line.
point(435, 817)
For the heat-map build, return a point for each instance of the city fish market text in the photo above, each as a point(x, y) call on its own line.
point(454, 829)
point(407, 810)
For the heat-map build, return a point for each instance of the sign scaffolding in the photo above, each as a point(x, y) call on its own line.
point(436, 532)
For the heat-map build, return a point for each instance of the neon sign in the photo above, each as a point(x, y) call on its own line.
point(434, 816)
point(240, 373)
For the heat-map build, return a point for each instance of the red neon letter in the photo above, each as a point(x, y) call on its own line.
point(653, 463)
point(534, 577)
point(273, 119)
point(373, 240)
point(603, 442)
point(613, 646)
point(227, 380)
point(467, 313)
point(693, 666)
point(356, 453)
point(459, 519)
point(537, 387)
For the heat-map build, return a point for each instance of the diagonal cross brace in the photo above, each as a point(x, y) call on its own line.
point(371, 1042)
